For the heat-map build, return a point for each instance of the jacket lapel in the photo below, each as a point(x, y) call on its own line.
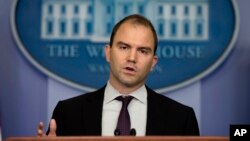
point(92, 112)
point(150, 113)
point(154, 117)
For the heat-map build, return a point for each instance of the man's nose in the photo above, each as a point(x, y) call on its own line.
point(132, 56)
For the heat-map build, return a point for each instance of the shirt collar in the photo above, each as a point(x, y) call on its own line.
point(111, 93)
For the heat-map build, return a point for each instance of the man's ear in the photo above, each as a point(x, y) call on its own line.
point(107, 52)
point(155, 60)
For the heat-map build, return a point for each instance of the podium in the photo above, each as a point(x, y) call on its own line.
point(99, 138)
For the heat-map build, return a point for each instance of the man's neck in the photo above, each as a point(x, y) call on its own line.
point(123, 89)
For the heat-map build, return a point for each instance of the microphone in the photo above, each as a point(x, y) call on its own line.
point(132, 132)
point(117, 132)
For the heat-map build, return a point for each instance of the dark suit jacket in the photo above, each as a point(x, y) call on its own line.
point(82, 116)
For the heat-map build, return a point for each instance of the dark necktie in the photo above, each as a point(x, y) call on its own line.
point(123, 124)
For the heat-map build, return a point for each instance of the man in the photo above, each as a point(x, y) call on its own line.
point(131, 56)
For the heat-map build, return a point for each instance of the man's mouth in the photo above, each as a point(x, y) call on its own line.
point(130, 70)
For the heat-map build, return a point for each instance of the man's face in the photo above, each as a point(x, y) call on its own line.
point(131, 56)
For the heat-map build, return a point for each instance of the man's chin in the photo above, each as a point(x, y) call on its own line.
point(130, 83)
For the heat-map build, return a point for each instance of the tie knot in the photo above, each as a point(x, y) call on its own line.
point(125, 100)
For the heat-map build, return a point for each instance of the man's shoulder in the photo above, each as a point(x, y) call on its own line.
point(165, 112)
point(86, 97)
point(165, 101)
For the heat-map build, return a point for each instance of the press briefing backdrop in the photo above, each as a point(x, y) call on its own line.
point(207, 66)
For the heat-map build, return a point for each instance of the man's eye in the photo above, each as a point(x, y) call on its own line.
point(143, 51)
point(123, 47)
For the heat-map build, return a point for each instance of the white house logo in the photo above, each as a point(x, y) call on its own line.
point(65, 38)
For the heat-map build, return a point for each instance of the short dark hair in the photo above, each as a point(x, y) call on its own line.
point(138, 19)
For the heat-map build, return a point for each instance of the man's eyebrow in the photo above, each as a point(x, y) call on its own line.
point(122, 43)
point(147, 49)
point(141, 47)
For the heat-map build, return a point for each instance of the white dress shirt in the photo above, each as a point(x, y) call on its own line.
point(137, 109)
